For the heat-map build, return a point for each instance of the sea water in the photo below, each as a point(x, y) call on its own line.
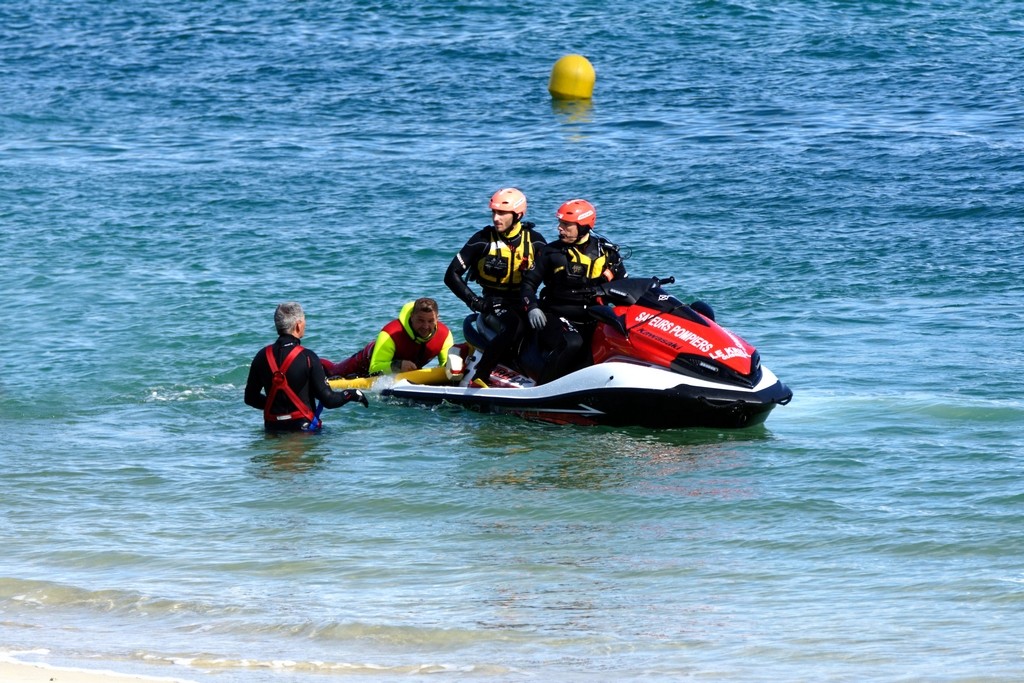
point(841, 181)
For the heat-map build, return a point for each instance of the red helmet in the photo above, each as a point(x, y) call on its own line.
point(509, 199)
point(578, 211)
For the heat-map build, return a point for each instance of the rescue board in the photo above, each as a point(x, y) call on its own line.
point(435, 375)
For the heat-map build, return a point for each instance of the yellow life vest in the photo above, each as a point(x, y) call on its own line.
point(581, 268)
point(506, 258)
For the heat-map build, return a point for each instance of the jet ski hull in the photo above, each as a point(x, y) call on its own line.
point(617, 394)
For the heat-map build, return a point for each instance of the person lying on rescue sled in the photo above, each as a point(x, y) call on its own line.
point(409, 342)
point(286, 379)
point(496, 257)
point(569, 269)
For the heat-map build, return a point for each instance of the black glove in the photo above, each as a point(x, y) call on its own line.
point(476, 304)
point(357, 395)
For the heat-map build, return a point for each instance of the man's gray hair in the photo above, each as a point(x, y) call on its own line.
point(287, 316)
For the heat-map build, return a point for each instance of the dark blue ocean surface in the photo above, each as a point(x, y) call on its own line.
point(842, 182)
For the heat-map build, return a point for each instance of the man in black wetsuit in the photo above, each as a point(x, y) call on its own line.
point(496, 258)
point(286, 379)
point(570, 269)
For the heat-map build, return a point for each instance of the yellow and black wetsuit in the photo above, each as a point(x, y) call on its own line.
point(495, 261)
point(569, 273)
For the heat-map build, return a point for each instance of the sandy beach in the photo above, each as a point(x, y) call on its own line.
point(13, 671)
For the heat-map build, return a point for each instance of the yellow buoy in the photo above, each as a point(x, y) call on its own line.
point(572, 78)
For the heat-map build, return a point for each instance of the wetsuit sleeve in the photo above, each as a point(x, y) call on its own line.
point(454, 277)
point(442, 357)
point(615, 264)
point(254, 395)
point(383, 354)
point(319, 387)
point(532, 279)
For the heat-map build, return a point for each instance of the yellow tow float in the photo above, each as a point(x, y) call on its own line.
point(436, 375)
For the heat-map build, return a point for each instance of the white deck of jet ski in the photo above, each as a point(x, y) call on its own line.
point(604, 376)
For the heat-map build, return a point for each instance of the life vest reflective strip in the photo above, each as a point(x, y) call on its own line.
point(279, 382)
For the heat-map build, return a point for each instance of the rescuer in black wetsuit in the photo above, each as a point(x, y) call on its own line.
point(286, 379)
point(569, 269)
point(496, 258)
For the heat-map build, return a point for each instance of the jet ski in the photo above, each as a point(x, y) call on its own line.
point(658, 363)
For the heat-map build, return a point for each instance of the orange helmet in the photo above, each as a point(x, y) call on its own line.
point(578, 211)
point(509, 199)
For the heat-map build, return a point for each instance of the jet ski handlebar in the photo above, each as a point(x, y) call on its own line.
point(629, 290)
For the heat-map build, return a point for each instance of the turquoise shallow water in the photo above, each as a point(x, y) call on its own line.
point(841, 181)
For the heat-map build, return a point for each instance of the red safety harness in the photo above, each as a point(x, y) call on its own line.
point(280, 383)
